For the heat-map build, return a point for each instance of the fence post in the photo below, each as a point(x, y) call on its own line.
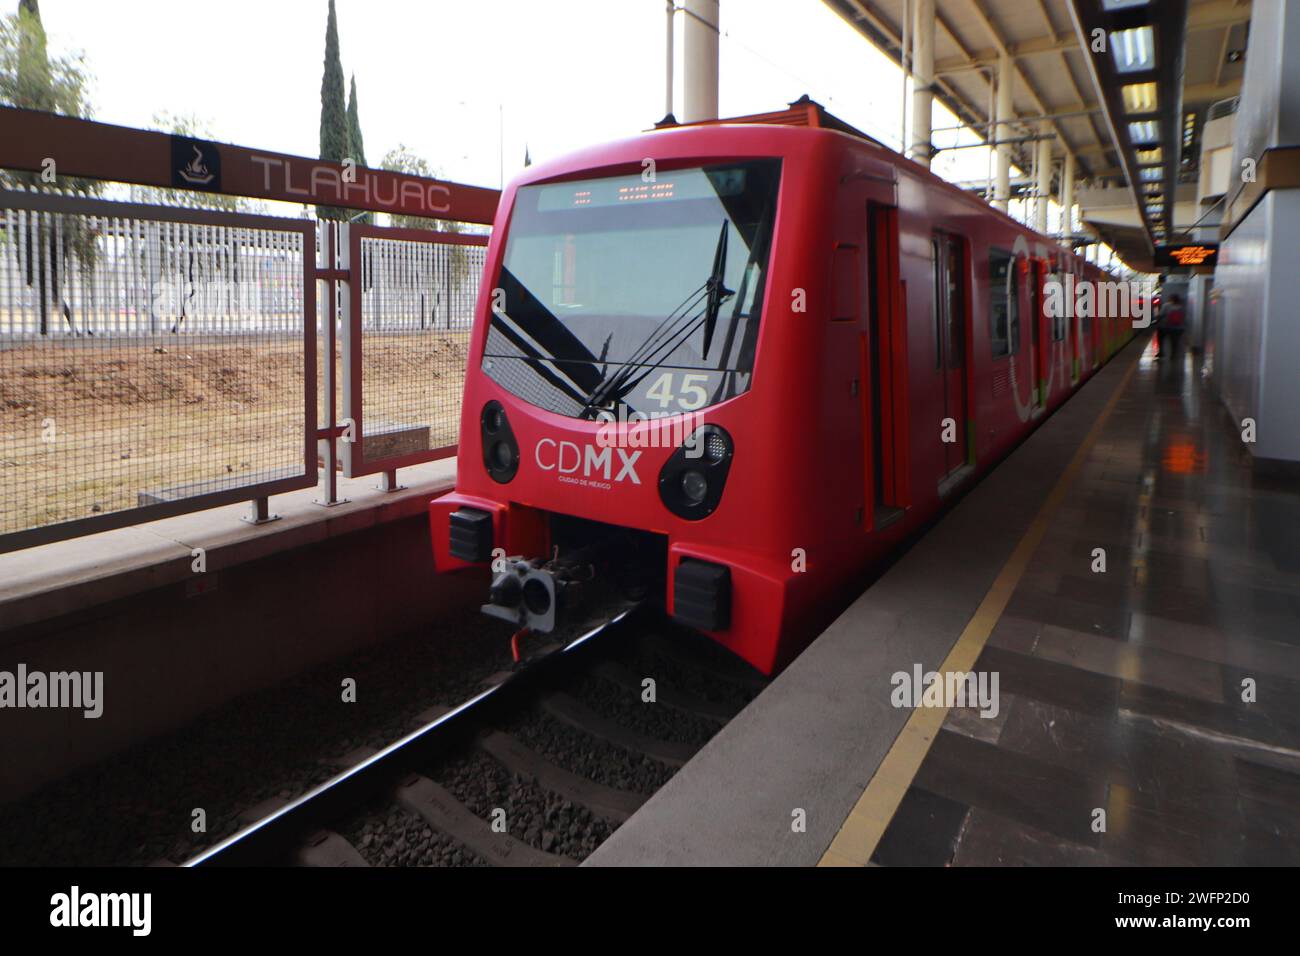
point(388, 481)
point(259, 512)
point(332, 251)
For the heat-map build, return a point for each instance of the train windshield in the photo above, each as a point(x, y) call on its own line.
point(637, 291)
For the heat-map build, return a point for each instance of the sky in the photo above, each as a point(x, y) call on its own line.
point(467, 84)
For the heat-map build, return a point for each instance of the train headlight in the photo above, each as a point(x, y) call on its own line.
point(503, 456)
point(691, 481)
point(695, 486)
point(500, 450)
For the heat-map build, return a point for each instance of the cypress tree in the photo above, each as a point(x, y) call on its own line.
point(333, 115)
point(31, 80)
point(34, 80)
point(356, 144)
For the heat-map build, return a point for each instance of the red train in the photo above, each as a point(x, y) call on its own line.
point(745, 359)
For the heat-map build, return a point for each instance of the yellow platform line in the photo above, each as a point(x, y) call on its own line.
point(861, 831)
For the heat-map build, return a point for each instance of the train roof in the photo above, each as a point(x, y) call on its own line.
point(798, 118)
point(807, 113)
point(804, 111)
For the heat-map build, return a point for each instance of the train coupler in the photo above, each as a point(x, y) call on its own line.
point(535, 594)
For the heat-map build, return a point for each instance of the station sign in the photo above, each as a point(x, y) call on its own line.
point(1202, 255)
point(31, 140)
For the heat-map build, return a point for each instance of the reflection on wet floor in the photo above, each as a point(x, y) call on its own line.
point(1164, 691)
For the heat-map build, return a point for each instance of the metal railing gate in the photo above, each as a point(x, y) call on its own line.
point(158, 359)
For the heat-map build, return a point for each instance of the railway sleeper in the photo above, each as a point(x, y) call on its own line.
point(445, 813)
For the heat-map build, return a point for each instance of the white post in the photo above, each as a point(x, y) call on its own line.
point(1043, 187)
point(700, 38)
point(922, 79)
point(1067, 197)
point(905, 66)
point(668, 46)
point(988, 166)
point(1002, 132)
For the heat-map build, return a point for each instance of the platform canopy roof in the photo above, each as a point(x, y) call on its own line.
point(1057, 78)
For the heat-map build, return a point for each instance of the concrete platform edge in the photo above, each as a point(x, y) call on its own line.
point(41, 583)
point(812, 741)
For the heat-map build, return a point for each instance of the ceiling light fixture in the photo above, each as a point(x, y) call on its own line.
point(1135, 49)
point(1139, 97)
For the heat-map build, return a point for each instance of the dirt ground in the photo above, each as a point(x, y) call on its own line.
point(87, 424)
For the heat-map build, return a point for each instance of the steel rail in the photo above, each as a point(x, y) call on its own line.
point(273, 839)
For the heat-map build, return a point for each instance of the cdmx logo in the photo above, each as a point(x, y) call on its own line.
point(568, 458)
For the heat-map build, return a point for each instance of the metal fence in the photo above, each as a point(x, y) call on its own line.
point(405, 340)
point(153, 360)
point(156, 360)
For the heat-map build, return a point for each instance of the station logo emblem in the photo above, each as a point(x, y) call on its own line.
point(196, 164)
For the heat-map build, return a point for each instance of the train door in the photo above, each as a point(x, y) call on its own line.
point(950, 297)
point(884, 369)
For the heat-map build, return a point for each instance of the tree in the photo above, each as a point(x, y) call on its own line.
point(356, 144)
point(405, 160)
point(191, 126)
point(334, 143)
point(194, 268)
point(31, 79)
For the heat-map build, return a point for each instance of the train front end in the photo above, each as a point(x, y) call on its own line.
point(616, 434)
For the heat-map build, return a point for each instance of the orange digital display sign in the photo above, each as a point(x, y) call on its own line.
point(1192, 254)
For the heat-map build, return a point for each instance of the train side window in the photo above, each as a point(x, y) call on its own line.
point(956, 299)
point(844, 283)
point(1084, 310)
point(949, 309)
point(1057, 280)
point(1004, 304)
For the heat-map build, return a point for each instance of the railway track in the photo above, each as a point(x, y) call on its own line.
point(535, 770)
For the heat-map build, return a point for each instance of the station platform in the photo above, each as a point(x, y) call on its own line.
point(175, 640)
point(1146, 714)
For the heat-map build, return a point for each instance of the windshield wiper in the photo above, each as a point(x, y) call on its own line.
point(677, 327)
point(608, 384)
point(718, 292)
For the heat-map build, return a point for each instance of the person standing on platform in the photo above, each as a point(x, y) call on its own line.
point(1159, 318)
point(1172, 326)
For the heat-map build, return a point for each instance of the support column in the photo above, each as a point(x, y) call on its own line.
point(668, 47)
point(1002, 132)
point(922, 79)
point(1043, 187)
point(1067, 197)
point(700, 38)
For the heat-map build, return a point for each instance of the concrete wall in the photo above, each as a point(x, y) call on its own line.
point(1257, 335)
point(1269, 111)
point(170, 654)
